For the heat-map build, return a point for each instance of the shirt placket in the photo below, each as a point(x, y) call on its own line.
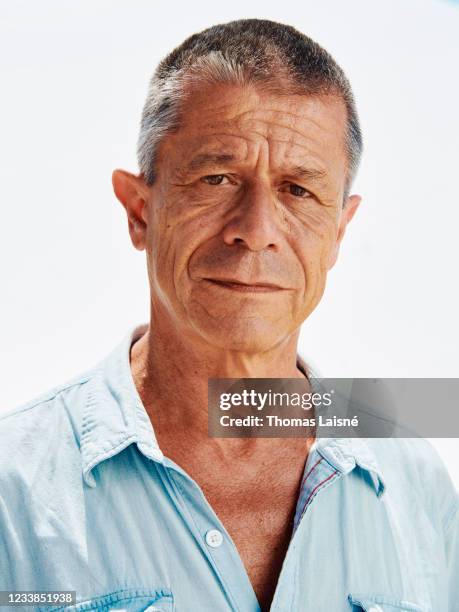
point(211, 536)
point(318, 475)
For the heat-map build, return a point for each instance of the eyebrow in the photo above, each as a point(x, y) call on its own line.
point(208, 159)
point(303, 172)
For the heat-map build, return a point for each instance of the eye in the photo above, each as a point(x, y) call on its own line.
point(297, 191)
point(214, 179)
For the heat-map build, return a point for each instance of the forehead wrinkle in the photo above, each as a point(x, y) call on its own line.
point(310, 134)
point(227, 113)
point(270, 140)
point(298, 170)
point(253, 113)
point(279, 134)
point(215, 150)
point(261, 125)
point(315, 166)
point(263, 128)
point(278, 115)
point(306, 163)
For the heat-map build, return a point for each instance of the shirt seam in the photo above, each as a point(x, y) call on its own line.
point(46, 397)
point(127, 594)
point(313, 494)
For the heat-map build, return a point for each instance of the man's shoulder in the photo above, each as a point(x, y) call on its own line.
point(413, 467)
point(33, 428)
point(415, 456)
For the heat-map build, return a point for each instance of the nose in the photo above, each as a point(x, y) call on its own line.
point(256, 221)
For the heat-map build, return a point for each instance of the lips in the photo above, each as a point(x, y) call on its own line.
point(236, 284)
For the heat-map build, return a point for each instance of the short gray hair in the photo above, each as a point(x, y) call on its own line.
point(259, 52)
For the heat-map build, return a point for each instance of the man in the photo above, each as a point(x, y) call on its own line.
point(110, 483)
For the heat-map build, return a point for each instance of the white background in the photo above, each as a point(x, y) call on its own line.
point(73, 80)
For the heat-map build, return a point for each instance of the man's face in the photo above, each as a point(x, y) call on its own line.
point(246, 215)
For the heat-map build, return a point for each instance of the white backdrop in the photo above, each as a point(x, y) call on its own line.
point(74, 76)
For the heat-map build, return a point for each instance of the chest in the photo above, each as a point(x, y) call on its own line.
point(260, 525)
point(256, 507)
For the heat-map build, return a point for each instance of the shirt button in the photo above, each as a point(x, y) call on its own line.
point(214, 538)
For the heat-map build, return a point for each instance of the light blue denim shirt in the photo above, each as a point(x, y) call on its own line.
point(89, 503)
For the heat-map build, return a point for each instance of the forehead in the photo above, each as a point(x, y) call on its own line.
point(236, 121)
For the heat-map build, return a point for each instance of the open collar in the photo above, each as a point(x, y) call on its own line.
point(344, 454)
point(114, 417)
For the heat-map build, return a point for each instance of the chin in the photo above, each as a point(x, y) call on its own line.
point(253, 335)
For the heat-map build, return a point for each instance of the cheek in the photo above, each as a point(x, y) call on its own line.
point(315, 234)
point(179, 233)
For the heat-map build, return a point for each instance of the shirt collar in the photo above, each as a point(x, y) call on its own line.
point(344, 454)
point(114, 417)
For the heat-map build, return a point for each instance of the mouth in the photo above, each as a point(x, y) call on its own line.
point(235, 285)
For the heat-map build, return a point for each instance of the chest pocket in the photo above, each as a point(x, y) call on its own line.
point(127, 600)
point(380, 603)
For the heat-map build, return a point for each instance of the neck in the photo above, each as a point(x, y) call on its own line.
point(171, 367)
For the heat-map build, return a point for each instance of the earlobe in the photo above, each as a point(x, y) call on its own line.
point(132, 193)
point(349, 210)
point(351, 206)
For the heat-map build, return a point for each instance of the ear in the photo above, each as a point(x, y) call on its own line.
point(349, 210)
point(132, 192)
